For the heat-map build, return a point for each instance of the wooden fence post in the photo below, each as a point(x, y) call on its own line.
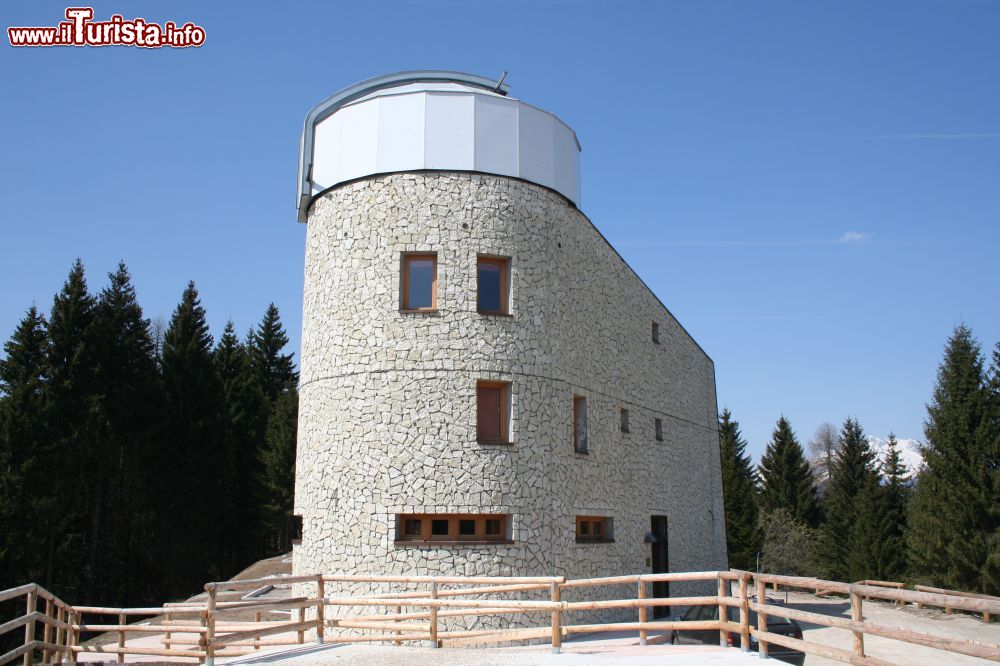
point(122, 619)
point(29, 629)
point(556, 621)
point(857, 616)
point(724, 590)
point(301, 634)
point(210, 627)
point(60, 632)
point(643, 633)
point(47, 632)
point(75, 617)
point(256, 640)
point(434, 615)
point(761, 618)
point(320, 609)
point(399, 611)
point(166, 634)
point(744, 615)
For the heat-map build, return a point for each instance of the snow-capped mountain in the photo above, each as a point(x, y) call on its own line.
point(909, 452)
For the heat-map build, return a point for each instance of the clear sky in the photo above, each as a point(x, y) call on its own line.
point(813, 188)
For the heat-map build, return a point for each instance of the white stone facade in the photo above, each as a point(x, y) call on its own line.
point(387, 420)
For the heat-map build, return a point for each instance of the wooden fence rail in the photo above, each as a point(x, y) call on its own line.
point(203, 630)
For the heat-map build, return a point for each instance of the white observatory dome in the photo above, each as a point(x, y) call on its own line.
point(447, 121)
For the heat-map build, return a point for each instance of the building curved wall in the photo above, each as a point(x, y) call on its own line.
point(387, 416)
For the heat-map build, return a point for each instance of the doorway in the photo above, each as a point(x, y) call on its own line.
point(660, 561)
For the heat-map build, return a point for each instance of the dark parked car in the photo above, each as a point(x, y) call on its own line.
point(776, 625)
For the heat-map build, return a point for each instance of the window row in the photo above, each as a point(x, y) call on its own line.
point(419, 284)
point(493, 420)
point(580, 427)
point(485, 528)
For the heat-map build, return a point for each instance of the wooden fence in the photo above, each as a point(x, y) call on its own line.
point(204, 630)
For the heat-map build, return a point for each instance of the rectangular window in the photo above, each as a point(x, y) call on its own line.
point(656, 333)
point(658, 429)
point(579, 424)
point(419, 282)
point(625, 420)
point(493, 282)
point(593, 529)
point(452, 528)
point(492, 400)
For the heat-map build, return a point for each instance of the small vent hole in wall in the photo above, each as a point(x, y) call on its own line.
point(465, 225)
point(559, 245)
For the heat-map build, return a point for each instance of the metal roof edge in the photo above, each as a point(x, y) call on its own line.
point(332, 103)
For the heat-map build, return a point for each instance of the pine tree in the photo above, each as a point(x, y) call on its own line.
point(22, 461)
point(275, 371)
point(786, 481)
point(845, 537)
point(990, 434)
point(246, 419)
point(952, 518)
point(127, 409)
point(893, 499)
point(74, 517)
point(277, 460)
point(739, 480)
point(191, 453)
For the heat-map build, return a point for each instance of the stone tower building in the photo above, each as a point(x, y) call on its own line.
point(487, 387)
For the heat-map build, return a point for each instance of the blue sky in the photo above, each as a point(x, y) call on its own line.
point(812, 188)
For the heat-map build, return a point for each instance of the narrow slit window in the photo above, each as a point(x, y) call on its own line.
point(656, 333)
point(492, 281)
point(492, 400)
point(580, 424)
point(658, 429)
point(419, 282)
point(625, 427)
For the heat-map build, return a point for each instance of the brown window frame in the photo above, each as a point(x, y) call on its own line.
point(504, 388)
point(480, 535)
point(585, 449)
point(504, 264)
point(405, 281)
point(658, 429)
point(587, 528)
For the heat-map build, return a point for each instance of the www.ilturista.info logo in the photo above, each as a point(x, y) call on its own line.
point(81, 30)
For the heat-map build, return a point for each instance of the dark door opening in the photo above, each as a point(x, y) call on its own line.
point(660, 561)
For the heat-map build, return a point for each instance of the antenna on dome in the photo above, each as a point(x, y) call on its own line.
point(503, 77)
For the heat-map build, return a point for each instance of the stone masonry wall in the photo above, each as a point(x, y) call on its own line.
point(387, 416)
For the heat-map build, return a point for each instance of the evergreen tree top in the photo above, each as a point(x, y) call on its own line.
point(275, 371)
point(894, 471)
point(25, 353)
point(785, 476)
point(854, 465)
point(188, 330)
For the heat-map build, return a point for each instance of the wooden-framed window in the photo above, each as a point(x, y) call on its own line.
point(658, 429)
point(625, 427)
point(594, 529)
point(452, 528)
point(493, 278)
point(579, 424)
point(656, 333)
point(419, 282)
point(492, 412)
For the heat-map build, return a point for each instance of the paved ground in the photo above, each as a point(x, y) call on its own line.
point(930, 621)
point(574, 653)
